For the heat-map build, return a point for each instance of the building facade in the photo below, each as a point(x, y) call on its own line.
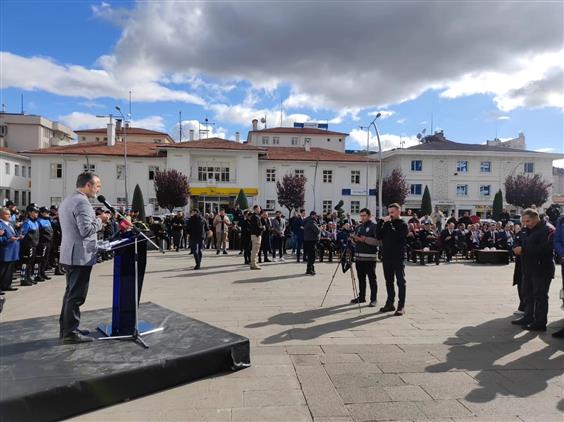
point(20, 132)
point(15, 177)
point(133, 134)
point(463, 177)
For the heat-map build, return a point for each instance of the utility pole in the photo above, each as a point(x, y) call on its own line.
point(180, 126)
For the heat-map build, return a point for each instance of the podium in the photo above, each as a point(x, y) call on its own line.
point(130, 261)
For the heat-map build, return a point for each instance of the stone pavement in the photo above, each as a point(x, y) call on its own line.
point(452, 357)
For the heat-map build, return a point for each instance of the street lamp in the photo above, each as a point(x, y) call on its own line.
point(373, 123)
point(124, 152)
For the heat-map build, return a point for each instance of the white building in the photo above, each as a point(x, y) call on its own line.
point(133, 134)
point(463, 177)
point(15, 177)
point(26, 132)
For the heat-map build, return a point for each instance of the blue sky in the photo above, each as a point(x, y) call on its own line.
point(230, 63)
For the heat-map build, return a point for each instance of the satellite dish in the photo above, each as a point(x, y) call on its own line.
point(263, 120)
point(419, 136)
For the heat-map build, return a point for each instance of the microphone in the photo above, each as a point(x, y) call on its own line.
point(102, 199)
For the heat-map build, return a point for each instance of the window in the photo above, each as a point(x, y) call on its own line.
point(29, 172)
point(56, 200)
point(327, 206)
point(485, 167)
point(7, 168)
point(276, 140)
point(89, 168)
point(154, 203)
point(24, 172)
point(17, 197)
point(529, 168)
point(24, 196)
point(355, 207)
point(120, 171)
point(29, 197)
point(152, 171)
point(299, 172)
point(415, 189)
point(462, 166)
point(416, 165)
point(8, 194)
point(485, 190)
point(462, 190)
point(265, 140)
point(56, 170)
point(121, 201)
point(294, 140)
point(328, 139)
point(307, 141)
point(97, 139)
point(219, 172)
point(327, 176)
point(16, 169)
point(355, 177)
point(271, 175)
point(270, 204)
point(84, 138)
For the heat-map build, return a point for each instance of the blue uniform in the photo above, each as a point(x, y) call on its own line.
point(9, 249)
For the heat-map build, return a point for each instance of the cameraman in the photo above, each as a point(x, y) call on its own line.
point(366, 252)
point(312, 234)
point(392, 231)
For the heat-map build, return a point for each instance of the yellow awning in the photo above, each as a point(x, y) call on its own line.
point(213, 191)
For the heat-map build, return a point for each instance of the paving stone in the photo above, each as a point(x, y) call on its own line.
point(265, 398)
point(384, 411)
point(445, 378)
point(366, 380)
point(352, 368)
point(274, 414)
point(363, 395)
point(443, 409)
point(340, 358)
point(407, 393)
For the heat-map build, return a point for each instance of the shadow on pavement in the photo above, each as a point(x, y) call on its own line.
point(478, 348)
point(267, 279)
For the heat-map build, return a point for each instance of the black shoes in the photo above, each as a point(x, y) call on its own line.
point(75, 338)
point(197, 267)
point(27, 282)
point(372, 304)
point(358, 300)
point(535, 327)
point(558, 334)
point(521, 322)
point(400, 312)
point(217, 252)
point(11, 289)
point(224, 252)
point(388, 307)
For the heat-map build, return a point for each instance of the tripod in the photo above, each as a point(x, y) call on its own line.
point(347, 258)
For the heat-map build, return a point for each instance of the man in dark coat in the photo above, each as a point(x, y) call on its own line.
point(196, 229)
point(538, 270)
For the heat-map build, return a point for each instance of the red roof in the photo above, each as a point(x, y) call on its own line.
point(213, 143)
point(134, 149)
point(314, 154)
point(129, 131)
point(298, 130)
point(9, 151)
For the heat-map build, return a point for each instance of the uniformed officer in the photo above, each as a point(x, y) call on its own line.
point(366, 253)
point(44, 246)
point(28, 244)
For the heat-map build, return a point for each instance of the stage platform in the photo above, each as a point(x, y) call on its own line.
point(41, 380)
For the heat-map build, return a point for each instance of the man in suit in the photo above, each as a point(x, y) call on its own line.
point(448, 240)
point(79, 227)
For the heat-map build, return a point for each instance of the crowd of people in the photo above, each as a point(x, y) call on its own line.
point(30, 244)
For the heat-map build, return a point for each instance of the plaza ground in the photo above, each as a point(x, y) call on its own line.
point(452, 357)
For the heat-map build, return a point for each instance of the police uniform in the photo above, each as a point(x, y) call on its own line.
point(366, 254)
point(28, 246)
point(44, 246)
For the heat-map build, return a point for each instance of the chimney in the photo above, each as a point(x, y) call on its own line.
point(111, 134)
point(255, 124)
point(307, 146)
point(237, 137)
point(191, 136)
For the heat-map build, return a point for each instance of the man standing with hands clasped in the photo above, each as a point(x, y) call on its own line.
point(79, 227)
point(392, 231)
point(366, 252)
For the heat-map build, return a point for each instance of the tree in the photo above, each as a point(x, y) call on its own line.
point(138, 204)
point(172, 189)
point(426, 205)
point(242, 200)
point(394, 188)
point(497, 205)
point(524, 191)
point(291, 192)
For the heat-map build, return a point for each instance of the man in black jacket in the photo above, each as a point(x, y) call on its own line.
point(256, 229)
point(311, 237)
point(448, 241)
point(366, 253)
point(197, 229)
point(392, 231)
point(538, 270)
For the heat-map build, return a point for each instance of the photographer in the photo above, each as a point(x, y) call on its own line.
point(392, 231)
point(366, 252)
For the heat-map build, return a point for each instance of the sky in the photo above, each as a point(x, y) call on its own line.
point(476, 70)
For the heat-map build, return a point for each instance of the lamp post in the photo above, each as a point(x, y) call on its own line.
point(373, 123)
point(124, 153)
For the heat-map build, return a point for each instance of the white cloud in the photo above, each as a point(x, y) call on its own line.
point(384, 114)
point(357, 140)
point(78, 120)
point(503, 118)
point(199, 130)
point(243, 115)
point(401, 121)
point(558, 163)
point(39, 73)
point(544, 150)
